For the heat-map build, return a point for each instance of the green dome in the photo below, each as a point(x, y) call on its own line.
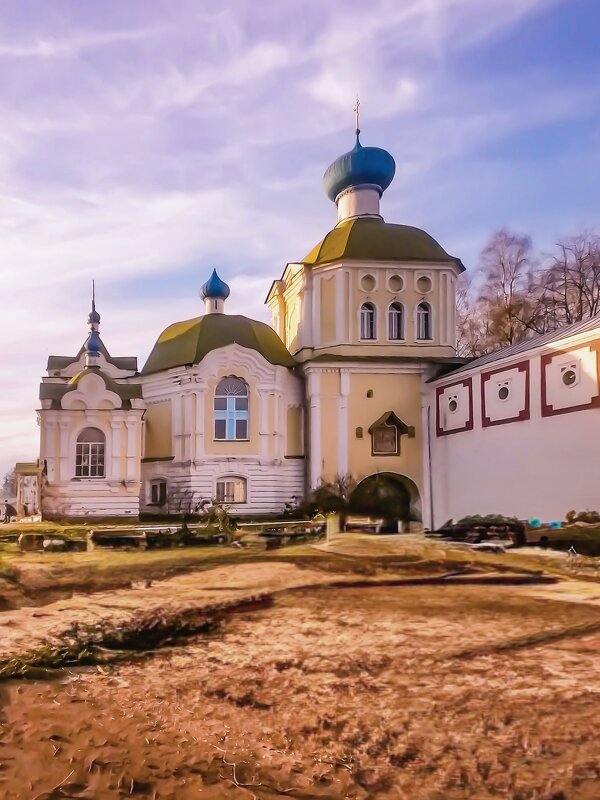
point(190, 341)
point(368, 239)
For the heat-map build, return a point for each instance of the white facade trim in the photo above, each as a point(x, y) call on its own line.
point(342, 432)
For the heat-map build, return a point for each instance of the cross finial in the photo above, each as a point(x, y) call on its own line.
point(356, 110)
point(94, 295)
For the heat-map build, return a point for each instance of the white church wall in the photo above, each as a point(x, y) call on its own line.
point(531, 454)
point(116, 491)
point(198, 460)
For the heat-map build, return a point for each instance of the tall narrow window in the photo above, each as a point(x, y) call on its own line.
point(424, 321)
point(158, 492)
point(395, 322)
point(89, 454)
point(231, 409)
point(367, 321)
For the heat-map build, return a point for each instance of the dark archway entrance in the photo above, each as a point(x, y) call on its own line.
point(389, 496)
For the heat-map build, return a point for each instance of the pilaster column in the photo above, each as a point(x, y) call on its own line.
point(132, 454)
point(198, 443)
point(341, 311)
point(427, 420)
point(186, 441)
point(342, 432)
point(50, 427)
point(279, 426)
point(176, 420)
point(113, 470)
point(314, 424)
point(316, 313)
point(306, 337)
point(65, 458)
point(264, 434)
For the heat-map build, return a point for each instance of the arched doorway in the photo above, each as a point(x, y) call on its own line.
point(389, 496)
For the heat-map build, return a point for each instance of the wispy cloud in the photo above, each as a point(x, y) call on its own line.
point(72, 45)
point(143, 144)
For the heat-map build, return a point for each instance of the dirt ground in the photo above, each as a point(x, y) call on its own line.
point(416, 693)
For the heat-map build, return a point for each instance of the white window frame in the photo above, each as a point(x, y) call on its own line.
point(362, 313)
point(231, 415)
point(399, 311)
point(422, 313)
point(234, 490)
point(90, 457)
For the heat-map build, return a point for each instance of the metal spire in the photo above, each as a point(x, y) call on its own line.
point(94, 316)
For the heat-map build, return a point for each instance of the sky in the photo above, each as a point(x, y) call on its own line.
point(144, 144)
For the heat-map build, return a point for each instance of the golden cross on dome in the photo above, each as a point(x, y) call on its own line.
point(356, 110)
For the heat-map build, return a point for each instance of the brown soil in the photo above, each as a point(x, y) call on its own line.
point(423, 693)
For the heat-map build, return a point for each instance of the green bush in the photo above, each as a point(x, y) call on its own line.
point(583, 516)
point(491, 520)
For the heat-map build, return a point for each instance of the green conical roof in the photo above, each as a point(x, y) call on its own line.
point(188, 342)
point(369, 239)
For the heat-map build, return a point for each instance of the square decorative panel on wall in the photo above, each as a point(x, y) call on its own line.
point(570, 379)
point(505, 394)
point(454, 407)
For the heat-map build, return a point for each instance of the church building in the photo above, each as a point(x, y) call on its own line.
point(357, 377)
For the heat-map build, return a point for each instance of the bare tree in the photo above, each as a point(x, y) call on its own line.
point(9, 483)
point(572, 284)
point(522, 295)
point(471, 324)
point(505, 300)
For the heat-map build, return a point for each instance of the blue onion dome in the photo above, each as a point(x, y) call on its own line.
point(93, 344)
point(215, 288)
point(361, 165)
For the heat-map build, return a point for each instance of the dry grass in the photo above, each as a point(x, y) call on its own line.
point(336, 694)
point(44, 577)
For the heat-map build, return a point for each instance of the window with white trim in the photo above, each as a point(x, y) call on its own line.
point(89, 454)
point(395, 322)
point(368, 328)
point(231, 409)
point(231, 490)
point(424, 322)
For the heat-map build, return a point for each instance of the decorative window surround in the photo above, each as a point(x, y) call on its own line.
point(547, 360)
point(231, 410)
point(440, 392)
point(487, 377)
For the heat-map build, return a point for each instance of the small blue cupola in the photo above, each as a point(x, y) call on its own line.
point(93, 345)
point(214, 293)
point(215, 288)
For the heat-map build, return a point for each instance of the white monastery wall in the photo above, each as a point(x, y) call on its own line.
point(522, 437)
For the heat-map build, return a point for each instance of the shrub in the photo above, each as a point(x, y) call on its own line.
point(592, 517)
point(497, 520)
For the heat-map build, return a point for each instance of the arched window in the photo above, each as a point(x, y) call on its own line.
point(395, 322)
point(367, 321)
point(231, 409)
point(424, 321)
point(231, 490)
point(89, 454)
